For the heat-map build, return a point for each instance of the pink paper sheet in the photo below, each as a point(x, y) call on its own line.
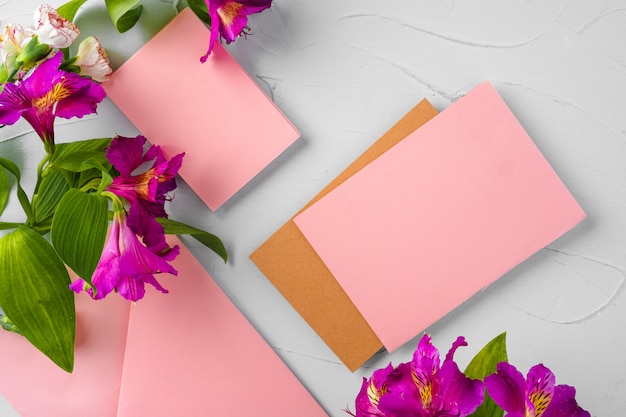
point(443, 214)
point(189, 353)
point(229, 129)
point(36, 387)
point(192, 353)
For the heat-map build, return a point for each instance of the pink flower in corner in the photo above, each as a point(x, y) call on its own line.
point(423, 387)
point(535, 396)
point(229, 18)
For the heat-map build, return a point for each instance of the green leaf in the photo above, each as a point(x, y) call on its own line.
point(105, 177)
point(9, 225)
point(172, 227)
point(200, 9)
point(21, 194)
point(69, 9)
point(79, 229)
point(4, 189)
point(483, 364)
point(53, 187)
point(34, 293)
point(124, 13)
point(72, 156)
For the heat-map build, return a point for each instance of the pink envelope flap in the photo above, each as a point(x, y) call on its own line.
point(441, 215)
point(192, 353)
point(214, 112)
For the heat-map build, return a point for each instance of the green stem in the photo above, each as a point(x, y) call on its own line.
point(41, 168)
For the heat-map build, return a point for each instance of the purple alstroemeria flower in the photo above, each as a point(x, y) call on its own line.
point(146, 192)
point(535, 396)
point(48, 93)
point(126, 265)
point(371, 391)
point(229, 18)
point(422, 387)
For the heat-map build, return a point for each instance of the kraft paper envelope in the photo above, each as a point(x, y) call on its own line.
point(438, 217)
point(229, 129)
point(36, 387)
point(294, 268)
point(192, 353)
point(188, 353)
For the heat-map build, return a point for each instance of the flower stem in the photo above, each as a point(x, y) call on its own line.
point(41, 168)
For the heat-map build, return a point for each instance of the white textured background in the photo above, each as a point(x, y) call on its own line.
point(344, 72)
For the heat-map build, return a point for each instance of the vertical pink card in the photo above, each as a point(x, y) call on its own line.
point(438, 217)
point(228, 127)
point(192, 353)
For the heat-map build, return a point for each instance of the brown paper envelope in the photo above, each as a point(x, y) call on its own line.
point(295, 269)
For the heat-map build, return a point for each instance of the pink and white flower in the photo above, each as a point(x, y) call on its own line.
point(93, 60)
point(54, 30)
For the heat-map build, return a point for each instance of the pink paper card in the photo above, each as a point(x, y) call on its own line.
point(36, 387)
point(441, 215)
point(229, 129)
point(192, 353)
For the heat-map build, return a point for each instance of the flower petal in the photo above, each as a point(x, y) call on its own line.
point(84, 97)
point(507, 388)
point(126, 154)
point(456, 393)
point(539, 389)
point(564, 404)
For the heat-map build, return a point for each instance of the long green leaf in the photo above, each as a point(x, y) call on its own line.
point(52, 188)
point(9, 225)
point(34, 294)
point(69, 9)
point(21, 194)
point(483, 364)
point(172, 227)
point(4, 189)
point(71, 156)
point(124, 13)
point(78, 232)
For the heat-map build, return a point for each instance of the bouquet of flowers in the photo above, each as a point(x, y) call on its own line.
point(488, 387)
point(98, 207)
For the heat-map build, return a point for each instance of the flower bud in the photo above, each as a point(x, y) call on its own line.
point(92, 60)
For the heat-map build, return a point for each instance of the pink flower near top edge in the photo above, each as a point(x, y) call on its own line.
point(54, 30)
point(229, 18)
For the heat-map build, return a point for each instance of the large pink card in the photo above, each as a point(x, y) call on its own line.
point(188, 353)
point(441, 215)
point(192, 353)
point(228, 127)
point(36, 387)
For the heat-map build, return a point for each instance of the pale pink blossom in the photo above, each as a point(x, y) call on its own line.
point(92, 60)
point(52, 29)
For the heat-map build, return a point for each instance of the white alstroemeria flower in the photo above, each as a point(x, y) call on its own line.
point(92, 60)
point(13, 39)
point(54, 30)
